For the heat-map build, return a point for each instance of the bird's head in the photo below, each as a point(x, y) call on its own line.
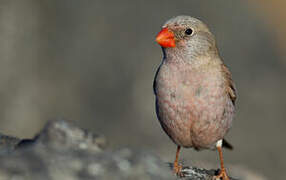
point(186, 35)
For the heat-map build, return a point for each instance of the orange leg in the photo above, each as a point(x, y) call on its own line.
point(176, 167)
point(222, 174)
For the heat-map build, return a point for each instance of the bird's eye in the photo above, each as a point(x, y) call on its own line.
point(188, 31)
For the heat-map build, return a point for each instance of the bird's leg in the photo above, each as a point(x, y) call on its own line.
point(222, 174)
point(176, 166)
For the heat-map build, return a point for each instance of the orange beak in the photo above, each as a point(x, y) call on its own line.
point(166, 38)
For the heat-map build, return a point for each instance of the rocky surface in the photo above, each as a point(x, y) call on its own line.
point(8, 143)
point(62, 151)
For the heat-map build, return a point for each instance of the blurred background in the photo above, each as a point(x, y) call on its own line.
point(93, 62)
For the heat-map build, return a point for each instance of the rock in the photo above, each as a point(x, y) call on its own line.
point(63, 135)
point(7, 143)
point(62, 151)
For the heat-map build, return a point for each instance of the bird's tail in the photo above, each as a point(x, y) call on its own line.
point(227, 145)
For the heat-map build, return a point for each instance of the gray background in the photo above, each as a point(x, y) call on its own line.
point(93, 62)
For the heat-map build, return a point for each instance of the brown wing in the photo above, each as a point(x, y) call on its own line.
point(230, 84)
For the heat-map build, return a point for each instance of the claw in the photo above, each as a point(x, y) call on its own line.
point(177, 169)
point(222, 175)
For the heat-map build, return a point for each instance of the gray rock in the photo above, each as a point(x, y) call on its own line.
point(62, 151)
point(7, 143)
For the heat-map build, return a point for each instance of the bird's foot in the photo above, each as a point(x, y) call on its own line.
point(177, 169)
point(222, 175)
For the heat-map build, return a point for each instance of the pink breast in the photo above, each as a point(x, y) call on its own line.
point(191, 106)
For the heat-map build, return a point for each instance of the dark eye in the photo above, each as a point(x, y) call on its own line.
point(188, 31)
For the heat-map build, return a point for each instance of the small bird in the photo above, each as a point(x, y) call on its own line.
point(195, 94)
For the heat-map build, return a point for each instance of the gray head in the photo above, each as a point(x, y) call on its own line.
point(185, 36)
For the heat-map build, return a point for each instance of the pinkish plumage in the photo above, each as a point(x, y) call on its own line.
point(194, 91)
